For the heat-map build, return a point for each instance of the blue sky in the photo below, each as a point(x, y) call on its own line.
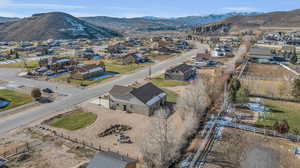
point(137, 8)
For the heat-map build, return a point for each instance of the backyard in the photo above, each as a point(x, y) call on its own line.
point(74, 120)
point(16, 98)
point(282, 111)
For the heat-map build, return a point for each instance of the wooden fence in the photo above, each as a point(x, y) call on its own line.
point(83, 143)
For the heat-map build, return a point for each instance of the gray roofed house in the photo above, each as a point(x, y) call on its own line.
point(143, 100)
point(111, 160)
point(182, 72)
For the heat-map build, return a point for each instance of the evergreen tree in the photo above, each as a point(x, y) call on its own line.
point(294, 58)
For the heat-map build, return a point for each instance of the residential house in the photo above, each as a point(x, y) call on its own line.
point(111, 160)
point(143, 100)
point(85, 72)
point(222, 51)
point(262, 55)
point(134, 58)
point(182, 72)
point(56, 64)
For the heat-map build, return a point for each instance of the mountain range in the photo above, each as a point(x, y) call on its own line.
point(8, 19)
point(150, 23)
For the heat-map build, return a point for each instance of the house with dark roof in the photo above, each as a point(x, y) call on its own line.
point(182, 72)
point(84, 72)
point(143, 100)
point(111, 160)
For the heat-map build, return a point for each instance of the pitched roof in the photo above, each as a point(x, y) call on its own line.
point(146, 92)
point(181, 68)
point(118, 91)
point(109, 160)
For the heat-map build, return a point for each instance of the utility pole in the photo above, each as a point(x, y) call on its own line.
point(150, 72)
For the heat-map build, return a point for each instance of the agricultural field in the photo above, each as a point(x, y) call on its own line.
point(16, 98)
point(282, 111)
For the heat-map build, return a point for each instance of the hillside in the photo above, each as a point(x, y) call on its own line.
point(236, 23)
point(273, 19)
point(53, 25)
point(150, 23)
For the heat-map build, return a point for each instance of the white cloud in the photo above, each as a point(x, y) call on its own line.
point(240, 9)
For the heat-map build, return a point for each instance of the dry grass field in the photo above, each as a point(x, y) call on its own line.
point(282, 89)
point(268, 71)
point(243, 149)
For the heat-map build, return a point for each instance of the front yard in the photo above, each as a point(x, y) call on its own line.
point(282, 111)
point(161, 82)
point(30, 65)
point(67, 79)
point(74, 120)
point(16, 98)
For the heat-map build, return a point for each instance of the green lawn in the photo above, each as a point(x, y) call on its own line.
point(171, 96)
point(161, 82)
point(121, 69)
point(80, 82)
point(16, 98)
point(282, 111)
point(30, 65)
point(74, 121)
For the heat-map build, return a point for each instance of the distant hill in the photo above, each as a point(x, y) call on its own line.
point(273, 19)
point(236, 23)
point(8, 19)
point(55, 25)
point(150, 23)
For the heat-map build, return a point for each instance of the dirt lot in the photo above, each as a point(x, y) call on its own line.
point(249, 150)
point(140, 125)
point(45, 151)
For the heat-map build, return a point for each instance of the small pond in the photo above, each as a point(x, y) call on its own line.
point(4, 103)
point(106, 74)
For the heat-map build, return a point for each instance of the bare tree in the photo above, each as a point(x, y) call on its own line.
point(194, 101)
point(158, 148)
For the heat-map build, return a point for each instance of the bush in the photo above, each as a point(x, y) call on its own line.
point(242, 95)
point(281, 126)
point(36, 93)
point(296, 89)
point(234, 87)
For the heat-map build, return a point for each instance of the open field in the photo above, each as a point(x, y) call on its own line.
point(74, 120)
point(247, 150)
point(282, 89)
point(268, 71)
point(16, 98)
point(282, 111)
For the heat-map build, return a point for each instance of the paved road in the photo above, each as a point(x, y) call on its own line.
point(75, 95)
